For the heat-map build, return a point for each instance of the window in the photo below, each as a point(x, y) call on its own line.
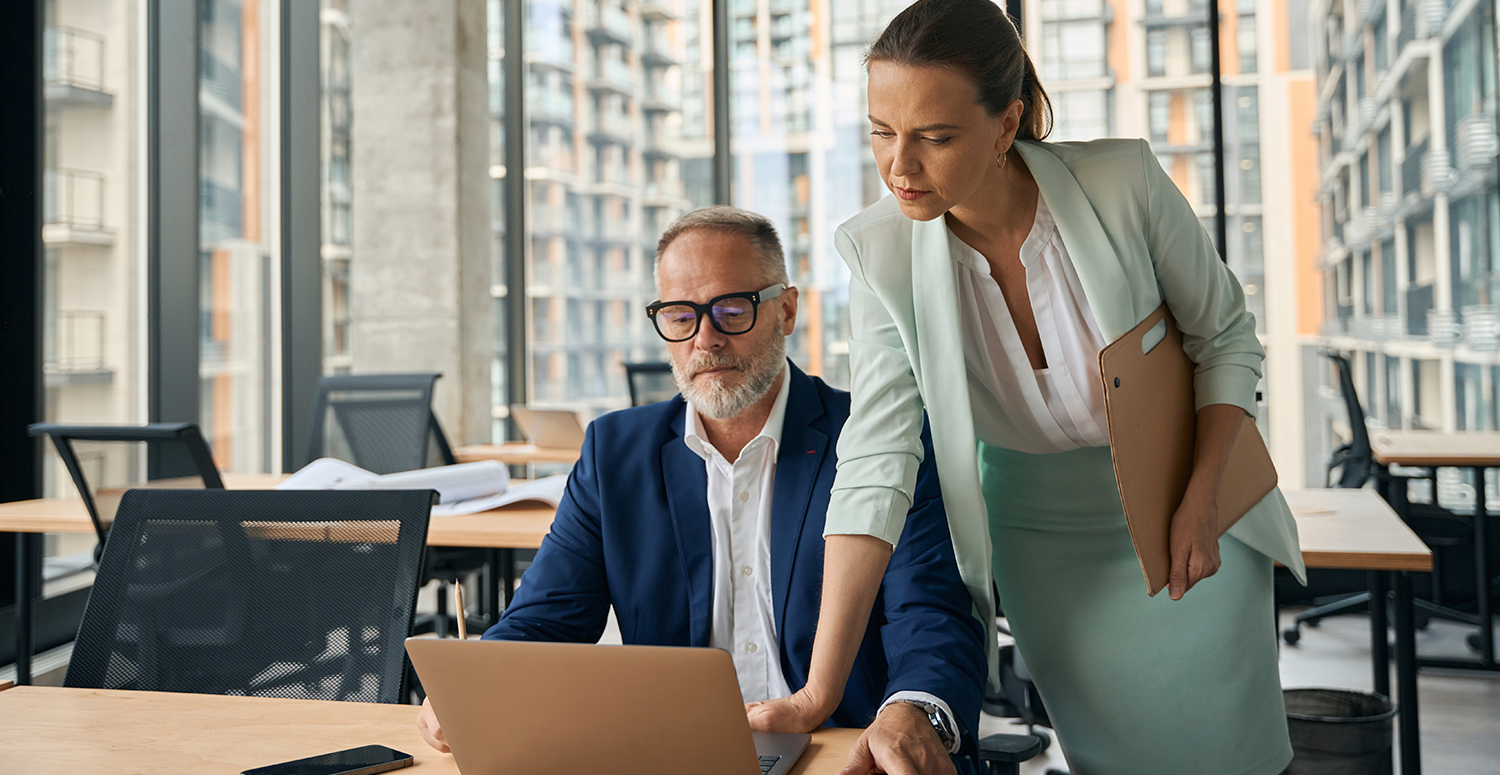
point(1249, 173)
point(1072, 50)
point(1246, 41)
point(1072, 9)
point(1080, 115)
point(1156, 52)
point(1201, 55)
point(1203, 115)
point(1159, 107)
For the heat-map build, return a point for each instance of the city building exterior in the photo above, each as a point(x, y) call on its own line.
point(1406, 124)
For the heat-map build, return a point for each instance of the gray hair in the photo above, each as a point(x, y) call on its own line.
point(755, 228)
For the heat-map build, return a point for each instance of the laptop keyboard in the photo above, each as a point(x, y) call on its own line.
point(767, 762)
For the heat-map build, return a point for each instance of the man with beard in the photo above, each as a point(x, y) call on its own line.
point(700, 519)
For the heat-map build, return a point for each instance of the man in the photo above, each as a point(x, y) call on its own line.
point(700, 519)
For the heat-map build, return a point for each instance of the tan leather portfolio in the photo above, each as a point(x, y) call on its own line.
point(1148, 395)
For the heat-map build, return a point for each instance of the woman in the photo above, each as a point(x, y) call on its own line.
point(983, 292)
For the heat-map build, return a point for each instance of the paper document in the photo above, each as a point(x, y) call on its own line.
point(465, 488)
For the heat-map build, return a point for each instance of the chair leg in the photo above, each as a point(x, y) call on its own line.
point(440, 625)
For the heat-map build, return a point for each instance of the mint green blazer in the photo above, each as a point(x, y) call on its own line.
point(1135, 242)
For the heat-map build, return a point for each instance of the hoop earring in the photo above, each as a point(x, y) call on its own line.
point(1000, 161)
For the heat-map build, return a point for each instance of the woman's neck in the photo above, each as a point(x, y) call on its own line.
point(1001, 210)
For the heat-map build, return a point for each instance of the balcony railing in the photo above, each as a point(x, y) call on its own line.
point(1481, 327)
point(1443, 328)
point(608, 23)
point(73, 57)
point(1477, 143)
point(74, 199)
point(551, 105)
point(220, 212)
point(1436, 172)
point(76, 343)
point(1436, 12)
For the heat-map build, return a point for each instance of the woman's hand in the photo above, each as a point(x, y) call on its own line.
point(803, 711)
point(1194, 543)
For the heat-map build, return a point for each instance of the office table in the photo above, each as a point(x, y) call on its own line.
point(50, 730)
point(1430, 449)
point(515, 454)
point(1356, 530)
point(503, 530)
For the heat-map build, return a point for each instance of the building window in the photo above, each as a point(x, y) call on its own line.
point(1248, 106)
point(1207, 174)
point(1156, 52)
point(1201, 54)
point(1246, 39)
point(1080, 115)
point(1250, 173)
point(1203, 113)
point(1072, 50)
point(1072, 9)
point(1159, 110)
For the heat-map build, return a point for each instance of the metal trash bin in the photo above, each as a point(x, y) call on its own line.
point(1339, 732)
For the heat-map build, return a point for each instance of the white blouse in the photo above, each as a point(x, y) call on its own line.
point(1039, 411)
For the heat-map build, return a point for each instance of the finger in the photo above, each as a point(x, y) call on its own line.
point(1177, 579)
point(861, 762)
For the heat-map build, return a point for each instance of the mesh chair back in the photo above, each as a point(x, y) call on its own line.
point(1355, 461)
point(106, 460)
point(382, 423)
point(301, 594)
point(650, 382)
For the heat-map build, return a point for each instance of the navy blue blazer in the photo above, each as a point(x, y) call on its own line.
point(633, 531)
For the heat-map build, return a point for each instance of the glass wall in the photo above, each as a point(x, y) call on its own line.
point(239, 259)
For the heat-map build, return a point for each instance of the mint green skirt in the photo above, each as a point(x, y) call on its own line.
point(1133, 684)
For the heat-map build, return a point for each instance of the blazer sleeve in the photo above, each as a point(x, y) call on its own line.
point(933, 642)
point(880, 447)
point(565, 595)
point(1218, 333)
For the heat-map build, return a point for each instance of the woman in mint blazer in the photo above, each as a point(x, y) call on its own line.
point(1180, 683)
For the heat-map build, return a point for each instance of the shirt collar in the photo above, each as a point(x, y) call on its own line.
point(696, 438)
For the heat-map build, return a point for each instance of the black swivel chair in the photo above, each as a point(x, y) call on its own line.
point(106, 460)
point(384, 423)
point(301, 594)
point(1441, 529)
point(1019, 699)
point(650, 382)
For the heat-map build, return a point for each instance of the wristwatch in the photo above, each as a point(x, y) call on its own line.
point(939, 721)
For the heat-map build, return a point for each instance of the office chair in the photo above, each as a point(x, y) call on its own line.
point(305, 594)
point(650, 382)
point(384, 423)
point(1017, 698)
point(1439, 528)
point(106, 460)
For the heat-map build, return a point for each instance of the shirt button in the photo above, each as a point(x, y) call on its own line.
point(744, 496)
point(750, 647)
point(746, 570)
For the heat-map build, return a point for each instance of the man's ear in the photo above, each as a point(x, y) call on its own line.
point(788, 301)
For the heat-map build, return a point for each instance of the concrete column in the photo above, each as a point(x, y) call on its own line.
point(420, 273)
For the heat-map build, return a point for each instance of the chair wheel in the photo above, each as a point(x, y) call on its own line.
point(1045, 738)
point(1473, 640)
point(1291, 635)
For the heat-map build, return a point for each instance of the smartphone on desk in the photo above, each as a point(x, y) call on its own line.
point(365, 760)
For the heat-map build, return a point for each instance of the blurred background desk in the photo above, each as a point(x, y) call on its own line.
point(515, 454)
point(504, 530)
point(1356, 530)
point(64, 731)
point(1476, 451)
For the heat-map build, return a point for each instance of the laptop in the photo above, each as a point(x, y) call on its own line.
point(549, 428)
point(569, 708)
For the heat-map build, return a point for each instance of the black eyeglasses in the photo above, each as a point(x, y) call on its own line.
point(732, 313)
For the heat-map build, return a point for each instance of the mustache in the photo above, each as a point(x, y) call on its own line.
point(715, 360)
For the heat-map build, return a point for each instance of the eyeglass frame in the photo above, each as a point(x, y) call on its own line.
point(772, 291)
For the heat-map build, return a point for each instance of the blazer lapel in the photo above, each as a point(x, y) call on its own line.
point(798, 461)
point(1099, 269)
point(687, 498)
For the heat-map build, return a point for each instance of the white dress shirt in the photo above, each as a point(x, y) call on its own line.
point(1055, 409)
point(739, 508)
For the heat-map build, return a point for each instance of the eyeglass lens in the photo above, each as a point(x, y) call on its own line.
point(733, 316)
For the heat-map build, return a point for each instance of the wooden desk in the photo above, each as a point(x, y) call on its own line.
point(1431, 449)
point(516, 454)
point(50, 730)
point(1357, 530)
point(521, 526)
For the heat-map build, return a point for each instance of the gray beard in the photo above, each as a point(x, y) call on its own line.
point(719, 402)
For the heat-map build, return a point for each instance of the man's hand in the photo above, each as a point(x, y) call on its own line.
point(801, 712)
point(901, 741)
point(427, 724)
